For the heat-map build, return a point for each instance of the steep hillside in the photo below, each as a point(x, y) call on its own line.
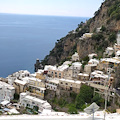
point(107, 17)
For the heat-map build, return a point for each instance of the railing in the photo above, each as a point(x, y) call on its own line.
point(97, 86)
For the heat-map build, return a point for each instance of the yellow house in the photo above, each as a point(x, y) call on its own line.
point(37, 87)
point(40, 74)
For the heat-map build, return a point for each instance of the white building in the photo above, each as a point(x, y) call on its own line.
point(72, 71)
point(70, 85)
point(92, 55)
point(93, 62)
point(67, 62)
point(56, 72)
point(52, 84)
point(98, 29)
point(118, 53)
point(109, 51)
point(118, 39)
point(87, 35)
point(29, 101)
point(18, 75)
point(6, 91)
point(76, 67)
point(75, 57)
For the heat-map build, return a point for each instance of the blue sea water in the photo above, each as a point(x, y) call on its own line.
point(24, 38)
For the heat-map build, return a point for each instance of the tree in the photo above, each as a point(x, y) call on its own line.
point(85, 95)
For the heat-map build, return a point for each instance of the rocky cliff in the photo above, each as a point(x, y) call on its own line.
point(104, 26)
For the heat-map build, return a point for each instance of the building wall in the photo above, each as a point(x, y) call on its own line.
point(35, 87)
point(69, 86)
point(83, 78)
point(68, 73)
point(55, 73)
point(40, 76)
point(20, 88)
point(6, 92)
point(25, 102)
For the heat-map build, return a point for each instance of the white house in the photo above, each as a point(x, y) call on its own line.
point(29, 101)
point(109, 51)
point(75, 57)
point(118, 39)
point(52, 84)
point(6, 91)
point(92, 55)
point(76, 67)
point(18, 75)
point(93, 62)
point(118, 53)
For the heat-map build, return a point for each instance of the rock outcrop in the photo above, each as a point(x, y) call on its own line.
point(104, 26)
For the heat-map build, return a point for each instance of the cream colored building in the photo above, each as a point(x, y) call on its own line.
point(56, 72)
point(106, 63)
point(40, 74)
point(37, 87)
point(68, 73)
point(91, 66)
point(20, 86)
point(72, 71)
point(102, 79)
point(52, 84)
point(70, 85)
point(83, 77)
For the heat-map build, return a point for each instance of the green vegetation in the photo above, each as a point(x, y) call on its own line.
point(77, 101)
point(72, 109)
point(60, 102)
point(85, 95)
point(98, 100)
point(114, 10)
point(85, 61)
point(98, 36)
point(112, 37)
point(103, 28)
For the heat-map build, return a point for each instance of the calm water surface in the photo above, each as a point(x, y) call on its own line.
point(24, 38)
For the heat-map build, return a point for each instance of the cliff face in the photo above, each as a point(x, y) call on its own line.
point(107, 17)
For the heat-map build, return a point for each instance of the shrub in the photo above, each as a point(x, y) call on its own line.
point(85, 95)
point(112, 37)
point(16, 96)
point(72, 109)
point(97, 36)
point(103, 28)
point(62, 102)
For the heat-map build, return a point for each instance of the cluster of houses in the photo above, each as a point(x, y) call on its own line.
point(103, 75)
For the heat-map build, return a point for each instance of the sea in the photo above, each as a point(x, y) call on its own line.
point(24, 38)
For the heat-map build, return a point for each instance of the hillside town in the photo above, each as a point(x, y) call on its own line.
point(30, 89)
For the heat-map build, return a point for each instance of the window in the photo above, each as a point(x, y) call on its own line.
point(33, 102)
point(61, 82)
point(66, 83)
